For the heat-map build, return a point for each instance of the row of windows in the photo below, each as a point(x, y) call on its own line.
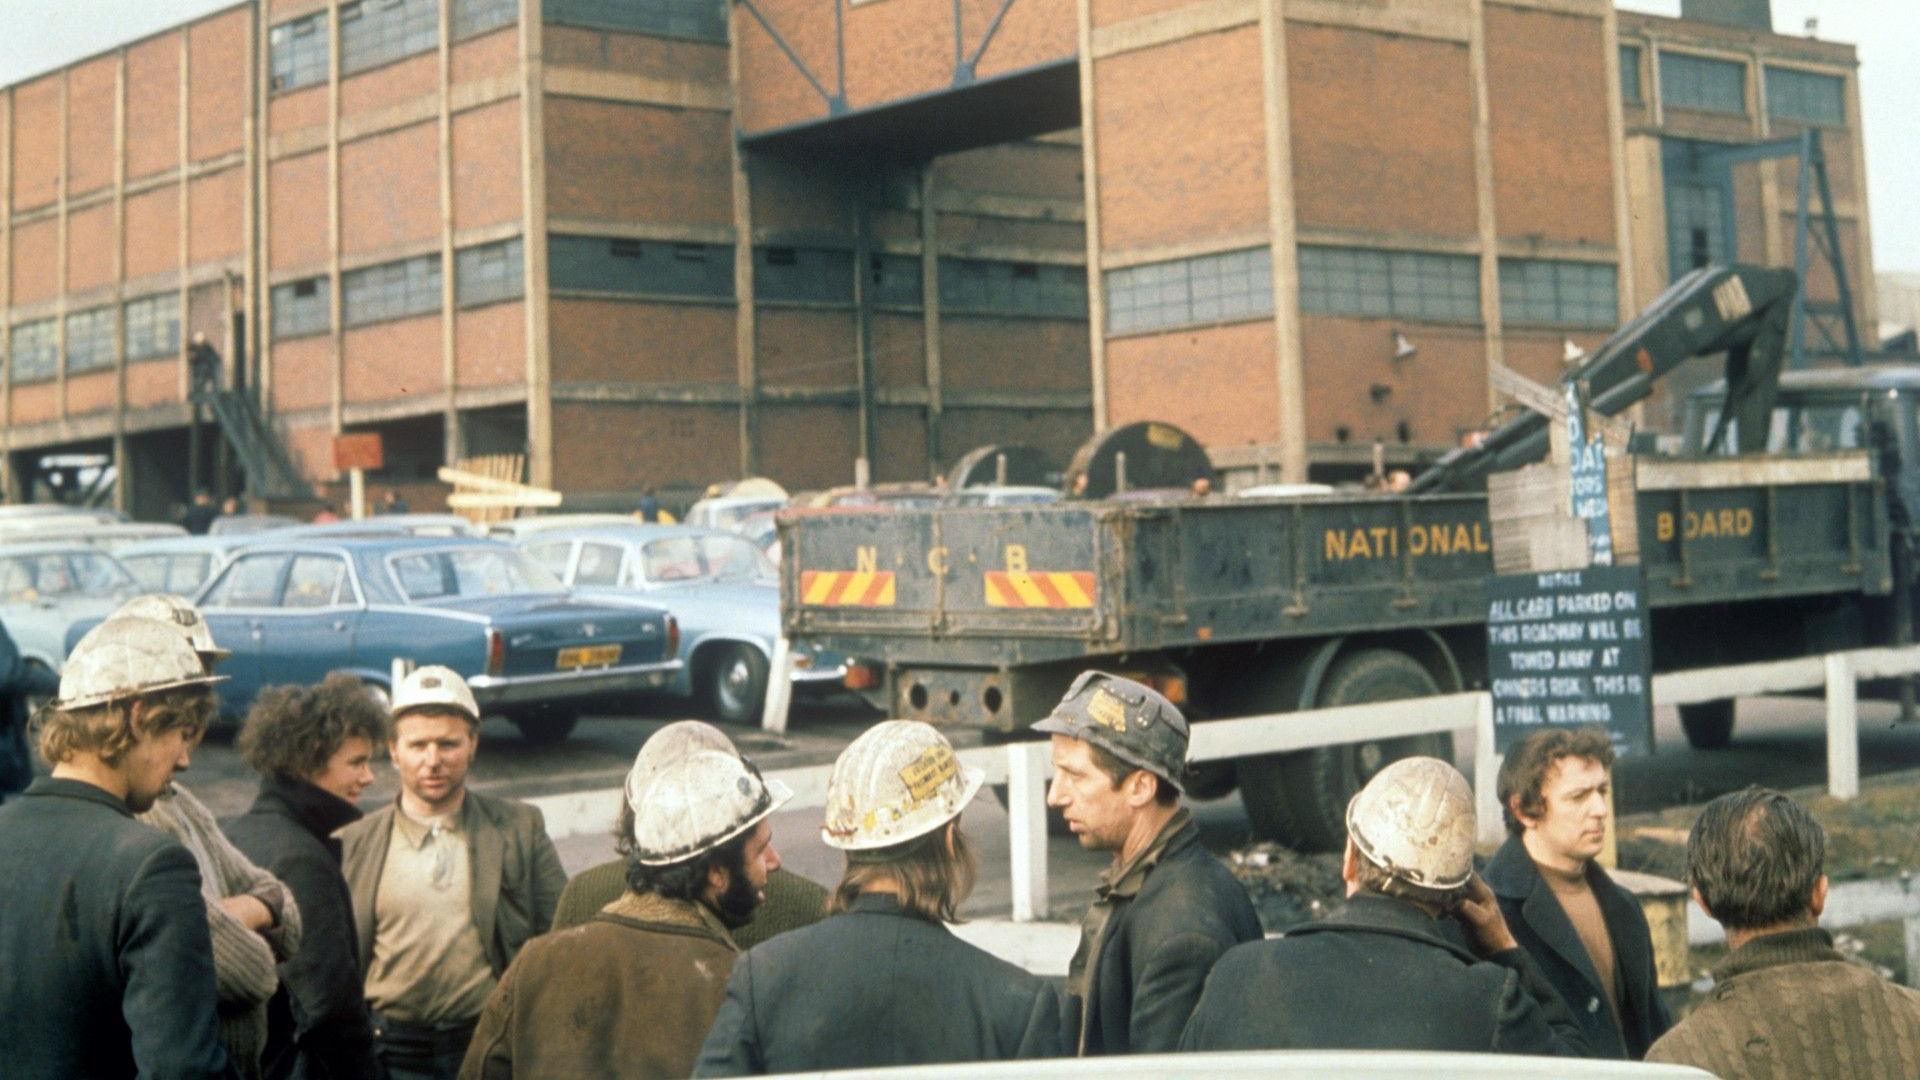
point(90, 340)
point(152, 329)
point(36, 351)
point(488, 273)
point(1541, 292)
point(702, 20)
point(390, 291)
point(642, 267)
point(297, 52)
point(474, 17)
point(374, 32)
point(1405, 284)
point(989, 287)
point(483, 274)
point(1713, 85)
point(1189, 292)
point(1806, 96)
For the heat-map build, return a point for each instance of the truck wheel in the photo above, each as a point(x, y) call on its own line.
point(1300, 799)
point(548, 728)
point(733, 682)
point(1708, 724)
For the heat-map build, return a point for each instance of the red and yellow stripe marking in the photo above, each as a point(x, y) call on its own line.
point(1039, 589)
point(846, 588)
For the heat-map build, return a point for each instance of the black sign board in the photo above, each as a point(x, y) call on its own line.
point(1568, 648)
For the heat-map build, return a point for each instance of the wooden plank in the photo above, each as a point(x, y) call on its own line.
point(1753, 471)
point(494, 500)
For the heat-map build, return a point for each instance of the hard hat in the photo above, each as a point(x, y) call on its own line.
point(165, 607)
point(1415, 821)
point(434, 687)
point(125, 658)
point(668, 745)
point(1134, 723)
point(898, 780)
point(698, 801)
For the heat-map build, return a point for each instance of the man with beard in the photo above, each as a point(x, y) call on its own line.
point(447, 884)
point(572, 1004)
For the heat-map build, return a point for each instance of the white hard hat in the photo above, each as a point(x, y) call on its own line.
point(668, 745)
point(165, 607)
point(698, 801)
point(1415, 821)
point(434, 687)
point(898, 780)
point(124, 658)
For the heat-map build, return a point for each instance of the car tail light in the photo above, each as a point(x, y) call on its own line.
point(496, 652)
point(673, 637)
point(861, 677)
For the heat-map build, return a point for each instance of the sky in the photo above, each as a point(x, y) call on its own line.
point(45, 34)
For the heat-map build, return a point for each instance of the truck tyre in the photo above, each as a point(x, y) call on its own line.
point(1300, 799)
point(546, 728)
point(733, 683)
point(1708, 724)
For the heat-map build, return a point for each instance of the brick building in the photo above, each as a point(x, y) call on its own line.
point(663, 242)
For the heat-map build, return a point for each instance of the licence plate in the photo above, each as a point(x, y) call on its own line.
point(586, 656)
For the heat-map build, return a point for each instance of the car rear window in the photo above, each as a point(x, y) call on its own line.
point(452, 573)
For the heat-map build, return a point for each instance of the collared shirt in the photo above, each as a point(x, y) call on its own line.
point(429, 965)
point(1118, 885)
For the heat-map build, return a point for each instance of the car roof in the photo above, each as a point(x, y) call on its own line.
point(627, 533)
point(53, 547)
point(188, 545)
point(371, 545)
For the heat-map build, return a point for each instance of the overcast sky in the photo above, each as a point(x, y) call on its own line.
point(44, 34)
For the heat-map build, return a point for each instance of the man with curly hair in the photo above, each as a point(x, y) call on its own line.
point(313, 747)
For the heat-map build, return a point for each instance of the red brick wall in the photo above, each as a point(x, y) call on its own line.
point(495, 53)
point(637, 163)
point(302, 373)
point(390, 189)
point(36, 403)
point(1057, 433)
point(1219, 383)
point(301, 108)
point(90, 248)
point(90, 393)
point(389, 84)
point(396, 359)
point(798, 347)
point(1441, 391)
point(899, 350)
point(36, 262)
point(808, 446)
point(486, 165)
point(623, 341)
point(217, 92)
point(152, 382)
point(312, 450)
point(90, 107)
point(153, 106)
point(36, 143)
point(153, 232)
point(984, 353)
point(637, 54)
point(297, 208)
point(490, 345)
point(658, 445)
point(1546, 81)
point(216, 207)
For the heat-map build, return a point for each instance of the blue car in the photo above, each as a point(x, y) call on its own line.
point(182, 564)
point(720, 587)
point(292, 611)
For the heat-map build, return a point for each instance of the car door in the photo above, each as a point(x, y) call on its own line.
point(309, 631)
point(597, 568)
point(235, 606)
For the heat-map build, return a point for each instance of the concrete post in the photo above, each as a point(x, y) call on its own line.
point(779, 702)
point(1027, 768)
point(1843, 728)
point(1486, 775)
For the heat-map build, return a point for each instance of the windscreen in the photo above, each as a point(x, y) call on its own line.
point(25, 578)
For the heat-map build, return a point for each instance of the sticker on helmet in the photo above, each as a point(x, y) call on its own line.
point(924, 774)
point(1107, 710)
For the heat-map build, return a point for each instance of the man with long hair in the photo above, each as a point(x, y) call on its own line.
point(881, 982)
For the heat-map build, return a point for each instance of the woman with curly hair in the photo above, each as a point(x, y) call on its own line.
point(313, 747)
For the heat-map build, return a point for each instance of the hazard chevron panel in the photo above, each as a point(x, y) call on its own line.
point(847, 588)
point(1039, 589)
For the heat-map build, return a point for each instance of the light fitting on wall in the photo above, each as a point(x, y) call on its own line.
point(1379, 392)
point(1402, 348)
point(1571, 353)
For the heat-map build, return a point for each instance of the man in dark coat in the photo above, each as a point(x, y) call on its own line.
point(106, 962)
point(1166, 908)
point(882, 982)
point(19, 682)
point(1380, 973)
point(313, 747)
point(1587, 935)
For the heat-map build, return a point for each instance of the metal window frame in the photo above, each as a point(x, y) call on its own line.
point(471, 18)
point(37, 343)
point(695, 20)
point(301, 316)
point(1683, 82)
point(374, 33)
point(489, 273)
point(1796, 87)
point(385, 292)
point(303, 50)
point(89, 339)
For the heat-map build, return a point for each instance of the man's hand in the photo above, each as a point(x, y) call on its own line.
point(1479, 912)
point(250, 911)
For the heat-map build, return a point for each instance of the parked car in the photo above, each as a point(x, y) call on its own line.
point(516, 528)
point(239, 524)
point(729, 511)
point(394, 525)
point(723, 591)
point(181, 564)
point(293, 610)
point(46, 588)
point(81, 529)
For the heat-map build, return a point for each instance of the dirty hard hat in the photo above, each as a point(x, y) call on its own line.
point(1415, 821)
point(1134, 723)
point(434, 687)
point(670, 744)
point(897, 781)
point(167, 608)
point(698, 801)
point(126, 658)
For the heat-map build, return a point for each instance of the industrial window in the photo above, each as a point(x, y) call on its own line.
point(640, 267)
point(89, 340)
point(392, 290)
point(1401, 284)
point(153, 326)
point(488, 273)
point(1699, 82)
point(804, 275)
point(36, 351)
point(1806, 96)
point(474, 17)
point(987, 287)
point(1191, 292)
point(297, 52)
point(1540, 292)
point(375, 32)
point(896, 281)
point(1630, 74)
point(704, 20)
point(301, 307)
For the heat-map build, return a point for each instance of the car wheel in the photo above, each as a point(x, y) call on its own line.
point(735, 684)
point(549, 728)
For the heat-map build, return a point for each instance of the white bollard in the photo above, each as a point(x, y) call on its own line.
point(402, 667)
point(773, 713)
point(1027, 767)
point(1486, 776)
point(1843, 728)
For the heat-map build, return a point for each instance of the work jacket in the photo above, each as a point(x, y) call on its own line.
point(1155, 929)
point(791, 901)
point(630, 992)
point(517, 876)
point(876, 987)
point(106, 963)
point(1542, 928)
point(1378, 974)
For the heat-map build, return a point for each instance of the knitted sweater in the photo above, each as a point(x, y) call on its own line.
point(792, 901)
point(243, 961)
point(1787, 1006)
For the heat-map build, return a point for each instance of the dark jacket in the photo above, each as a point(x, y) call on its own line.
point(1788, 1005)
point(567, 1006)
point(516, 873)
point(18, 679)
point(792, 901)
point(323, 1028)
point(875, 987)
point(1378, 974)
point(1543, 929)
point(1150, 939)
point(106, 963)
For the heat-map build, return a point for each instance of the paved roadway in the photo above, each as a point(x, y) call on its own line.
point(1778, 742)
